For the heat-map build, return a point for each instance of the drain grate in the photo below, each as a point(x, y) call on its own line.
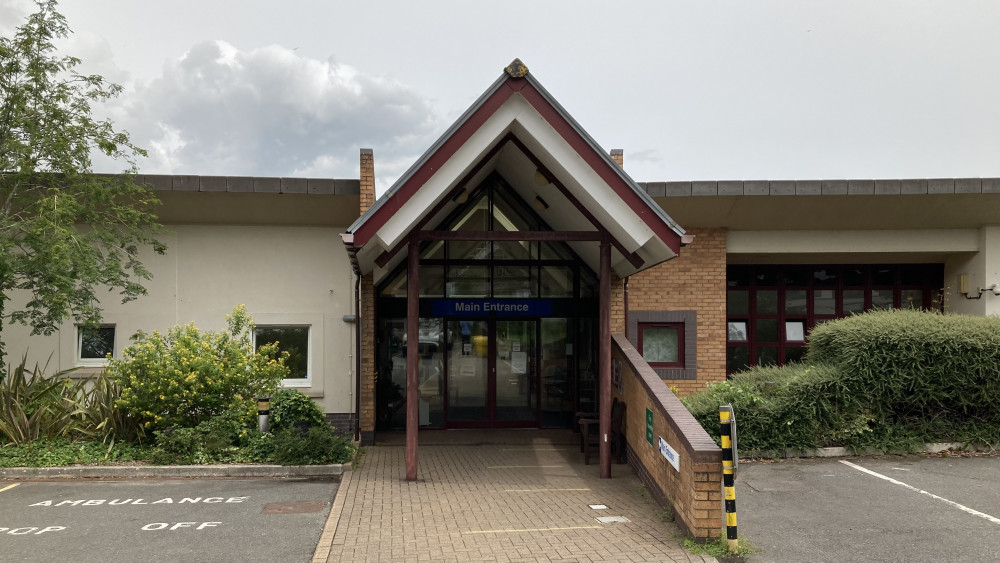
point(612, 519)
point(301, 507)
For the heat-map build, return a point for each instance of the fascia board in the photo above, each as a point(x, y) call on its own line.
point(445, 178)
point(600, 199)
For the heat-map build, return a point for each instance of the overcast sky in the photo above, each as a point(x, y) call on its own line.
point(706, 90)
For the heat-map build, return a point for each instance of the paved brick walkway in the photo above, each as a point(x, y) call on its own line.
point(525, 499)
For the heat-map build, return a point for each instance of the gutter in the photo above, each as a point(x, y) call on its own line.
point(357, 356)
point(352, 253)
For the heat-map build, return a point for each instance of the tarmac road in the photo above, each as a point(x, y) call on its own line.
point(157, 520)
point(827, 510)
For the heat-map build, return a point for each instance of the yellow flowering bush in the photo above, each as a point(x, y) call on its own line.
point(188, 376)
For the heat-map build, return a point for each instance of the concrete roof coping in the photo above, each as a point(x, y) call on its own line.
point(250, 184)
point(852, 186)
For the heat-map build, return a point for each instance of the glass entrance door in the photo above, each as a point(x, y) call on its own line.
point(516, 385)
point(468, 373)
point(492, 374)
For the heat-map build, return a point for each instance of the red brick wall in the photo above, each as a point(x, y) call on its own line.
point(693, 281)
point(367, 360)
point(367, 312)
point(617, 303)
point(367, 179)
point(695, 490)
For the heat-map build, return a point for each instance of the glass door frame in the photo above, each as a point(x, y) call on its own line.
point(491, 370)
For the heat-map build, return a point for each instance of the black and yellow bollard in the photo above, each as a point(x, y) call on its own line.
point(726, 420)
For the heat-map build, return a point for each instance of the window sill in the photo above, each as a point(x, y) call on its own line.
point(305, 386)
point(85, 372)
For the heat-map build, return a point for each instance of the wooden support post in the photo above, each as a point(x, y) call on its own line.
point(412, 356)
point(605, 359)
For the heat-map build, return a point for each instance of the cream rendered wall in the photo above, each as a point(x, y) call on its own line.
point(284, 275)
point(857, 242)
point(983, 268)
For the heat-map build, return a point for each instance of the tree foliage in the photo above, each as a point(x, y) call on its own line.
point(65, 232)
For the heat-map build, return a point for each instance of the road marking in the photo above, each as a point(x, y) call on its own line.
point(514, 530)
point(539, 490)
point(963, 508)
point(9, 487)
point(520, 466)
point(30, 529)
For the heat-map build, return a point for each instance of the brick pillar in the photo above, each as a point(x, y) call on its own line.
point(617, 304)
point(618, 156)
point(617, 287)
point(368, 374)
point(367, 319)
point(367, 180)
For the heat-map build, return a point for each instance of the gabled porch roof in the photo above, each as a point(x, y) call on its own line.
point(519, 130)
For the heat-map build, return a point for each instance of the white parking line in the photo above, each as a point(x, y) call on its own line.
point(961, 507)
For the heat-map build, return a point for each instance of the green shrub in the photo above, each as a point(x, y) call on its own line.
point(108, 421)
point(212, 441)
point(790, 414)
point(187, 376)
point(316, 445)
point(291, 407)
point(259, 448)
point(36, 406)
point(60, 452)
point(886, 379)
point(919, 365)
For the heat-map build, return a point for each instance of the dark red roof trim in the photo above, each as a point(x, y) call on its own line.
point(489, 106)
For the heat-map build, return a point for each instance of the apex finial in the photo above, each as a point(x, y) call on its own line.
point(516, 69)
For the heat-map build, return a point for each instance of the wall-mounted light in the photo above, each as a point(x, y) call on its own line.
point(540, 204)
point(541, 179)
point(963, 288)
point(461, 197)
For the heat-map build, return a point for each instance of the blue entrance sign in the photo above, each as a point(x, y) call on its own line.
point(492, 307)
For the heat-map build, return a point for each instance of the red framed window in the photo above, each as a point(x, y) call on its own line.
point(770, 309)
point(662, 344)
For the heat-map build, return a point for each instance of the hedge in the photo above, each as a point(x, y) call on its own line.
point(887, 379)
point(916, 364)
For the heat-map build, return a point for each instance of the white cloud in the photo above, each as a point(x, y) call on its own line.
point(272, 112)
point(12, 14)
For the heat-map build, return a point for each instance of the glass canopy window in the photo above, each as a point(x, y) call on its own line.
point(509, 269)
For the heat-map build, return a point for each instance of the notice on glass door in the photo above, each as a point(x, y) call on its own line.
point(519, 362)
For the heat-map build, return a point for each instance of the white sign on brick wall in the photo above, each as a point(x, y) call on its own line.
point(669, 453)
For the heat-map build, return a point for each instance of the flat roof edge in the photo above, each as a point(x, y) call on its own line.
point(903, 186)
point(249, 184)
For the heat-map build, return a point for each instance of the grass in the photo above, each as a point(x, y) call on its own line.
point(719, 547)
point(359, 456)
point(61, 452)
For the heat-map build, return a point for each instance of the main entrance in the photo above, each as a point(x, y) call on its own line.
point(509, 373)
point(490, 372)
point(506, 330)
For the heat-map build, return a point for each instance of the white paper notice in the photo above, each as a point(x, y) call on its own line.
point(519, 362)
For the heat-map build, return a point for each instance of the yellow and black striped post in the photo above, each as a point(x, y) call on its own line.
point(729, 474)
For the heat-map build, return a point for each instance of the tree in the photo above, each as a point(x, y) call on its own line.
point(66, 234)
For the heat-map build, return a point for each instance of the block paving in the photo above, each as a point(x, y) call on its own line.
point(509, 496)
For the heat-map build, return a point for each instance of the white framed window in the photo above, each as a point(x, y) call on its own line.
point(94, 345)
point(293, 339)
point(795, 331)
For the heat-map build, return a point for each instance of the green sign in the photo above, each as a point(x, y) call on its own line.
point(649, 426)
